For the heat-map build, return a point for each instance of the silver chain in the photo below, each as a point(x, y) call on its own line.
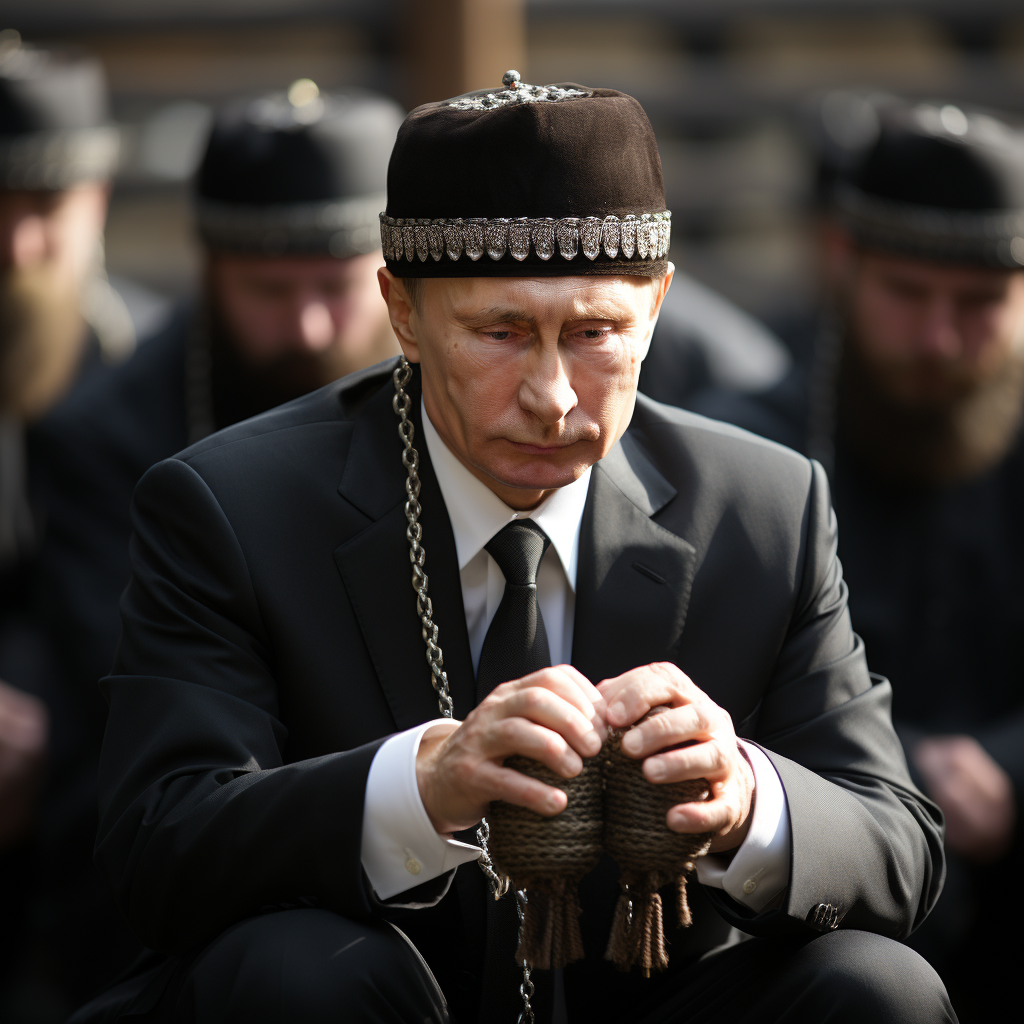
point(402, 403)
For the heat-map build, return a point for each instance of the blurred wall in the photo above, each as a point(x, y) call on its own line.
point(721, 79)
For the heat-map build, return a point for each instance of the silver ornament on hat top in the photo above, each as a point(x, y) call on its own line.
point(515, 91)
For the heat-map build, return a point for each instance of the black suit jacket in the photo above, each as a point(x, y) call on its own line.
point(271, 643)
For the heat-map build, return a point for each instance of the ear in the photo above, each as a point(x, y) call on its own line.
point(401, 312)
point(660, 291)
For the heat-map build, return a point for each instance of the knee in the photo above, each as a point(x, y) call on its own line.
point(310, 966)
point(861, 974)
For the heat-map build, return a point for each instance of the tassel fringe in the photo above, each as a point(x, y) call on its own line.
point(551, 937)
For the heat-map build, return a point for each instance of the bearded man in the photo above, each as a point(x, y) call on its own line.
point(58, 150)
point(279, 798)
point(286, 204)
point(918, 407)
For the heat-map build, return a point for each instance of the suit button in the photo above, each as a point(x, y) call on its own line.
point(824, 917)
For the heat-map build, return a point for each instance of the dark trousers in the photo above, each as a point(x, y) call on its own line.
point(311, 966)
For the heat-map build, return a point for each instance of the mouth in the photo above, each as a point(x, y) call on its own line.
point(540, 449)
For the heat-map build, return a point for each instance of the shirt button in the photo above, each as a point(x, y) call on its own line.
point(749, 886)
point(412, 866)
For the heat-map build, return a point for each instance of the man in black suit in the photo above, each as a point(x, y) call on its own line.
point(278, 792)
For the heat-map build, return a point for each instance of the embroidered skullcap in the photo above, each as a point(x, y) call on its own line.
point(55, 128)
point(297, 172)
point(529, 181)
point(939, 183)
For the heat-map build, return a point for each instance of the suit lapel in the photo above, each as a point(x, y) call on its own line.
point(634, 576)
point(375, 567)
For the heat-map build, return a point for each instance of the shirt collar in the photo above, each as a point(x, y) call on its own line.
point(477, 513)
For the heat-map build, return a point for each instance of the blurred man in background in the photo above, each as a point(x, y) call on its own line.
point(916, 407)
point(58, 150)
point(287, 201)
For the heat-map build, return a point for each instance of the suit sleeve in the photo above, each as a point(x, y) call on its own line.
point(865, 842)
point(201, 821)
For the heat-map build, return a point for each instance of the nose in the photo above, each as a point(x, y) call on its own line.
point(546, 390)
point(940, 335)
point(316, 327)
point(23, 241)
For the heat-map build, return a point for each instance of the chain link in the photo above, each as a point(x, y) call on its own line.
point(526, 986)
point(402, 404)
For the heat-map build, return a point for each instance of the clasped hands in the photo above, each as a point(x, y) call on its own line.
point(558, 717)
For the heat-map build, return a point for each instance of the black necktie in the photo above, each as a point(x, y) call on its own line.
point(516, 642)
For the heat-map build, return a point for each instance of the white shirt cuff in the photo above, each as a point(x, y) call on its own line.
point(400, 848)
point(758, 870)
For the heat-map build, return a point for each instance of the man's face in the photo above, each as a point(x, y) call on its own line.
point(48, 244)
point(310, 318)
point(930, 333)
point(528, 380)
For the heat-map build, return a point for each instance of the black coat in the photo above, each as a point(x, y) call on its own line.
point(86, 455)
point(271, 643)
point(40, 901)
point(935, 592)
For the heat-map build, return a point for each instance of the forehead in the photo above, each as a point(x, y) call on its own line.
point(284, 269)
point(543, 296)
point(937, 276)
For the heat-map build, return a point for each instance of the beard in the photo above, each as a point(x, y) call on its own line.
point(41, 335)
point(933, 443)
point(241, 388)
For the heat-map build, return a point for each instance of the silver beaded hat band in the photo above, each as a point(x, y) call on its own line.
point(990, 238)
point(58, 159)
point(341, 227)
point(645, 236)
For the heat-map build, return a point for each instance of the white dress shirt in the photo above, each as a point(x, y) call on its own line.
point(400, 848)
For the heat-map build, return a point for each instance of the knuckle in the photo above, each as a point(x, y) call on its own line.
point(552, 746)
point(532, 698)
point(507, 730)
point(717, 756)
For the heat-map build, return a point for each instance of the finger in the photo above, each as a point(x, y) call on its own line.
point(702, 816)
point(571, 684)
point(680, 725)
point(546, 708)
point(526, 738)
point(592, 693)
point(500, 783)
point(705, 760)
point(561, 687)
point(631, 695)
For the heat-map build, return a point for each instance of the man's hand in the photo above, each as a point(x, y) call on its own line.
point(975, 795)
point(712, 753)
point(555, 716)
point(24, 732)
